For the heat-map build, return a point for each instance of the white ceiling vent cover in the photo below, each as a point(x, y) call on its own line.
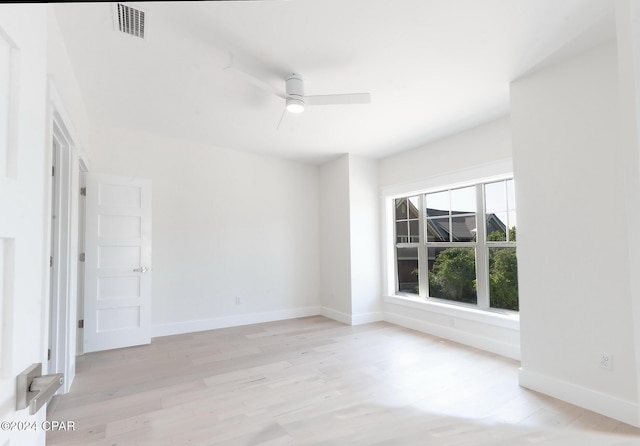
point(129, 20)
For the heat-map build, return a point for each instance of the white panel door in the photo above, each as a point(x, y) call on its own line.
point(117, 262)
point(24, 251)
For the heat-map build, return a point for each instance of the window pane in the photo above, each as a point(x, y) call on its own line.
point(495, 197)
point(497, 227)
point(464, 228)
point(414, 206)
point(402, 235)
point(401, 208)
point(511, 195)
point(414, 231)
point(503, 278)
point(463, 200)
point(438, 229)
point(452, 274)
point(437, 204)
point(512, 226)
point(407, 259)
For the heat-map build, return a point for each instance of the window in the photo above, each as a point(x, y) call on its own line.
point(463, 241)
point(407, 223)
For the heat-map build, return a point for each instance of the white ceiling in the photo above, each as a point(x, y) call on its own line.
point(433, 67)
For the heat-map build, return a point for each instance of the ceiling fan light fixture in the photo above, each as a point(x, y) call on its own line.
point(295, 99)
point(295, 93)
point(295, 105)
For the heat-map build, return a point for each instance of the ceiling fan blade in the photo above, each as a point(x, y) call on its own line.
point(255, 80)
point(284, 112)
point(338, 99)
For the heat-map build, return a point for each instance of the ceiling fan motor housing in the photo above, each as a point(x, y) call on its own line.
point(295, 93)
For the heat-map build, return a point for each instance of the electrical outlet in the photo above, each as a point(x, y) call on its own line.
point(238, 301)
point(606, 361)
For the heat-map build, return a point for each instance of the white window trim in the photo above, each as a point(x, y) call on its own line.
point(497, 318)
point(486, 173)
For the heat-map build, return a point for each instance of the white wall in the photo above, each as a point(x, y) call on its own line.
point(226, 225)
point(350, 231)
point(364, 201)
point(472, 155)
point(475, 147)
point(62, 76)
point(572, 245)
point(628, 40)
point(335, 234)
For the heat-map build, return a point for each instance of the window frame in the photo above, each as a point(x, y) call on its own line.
point(481, 245)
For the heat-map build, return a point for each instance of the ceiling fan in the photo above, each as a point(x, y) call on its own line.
point(293, 94)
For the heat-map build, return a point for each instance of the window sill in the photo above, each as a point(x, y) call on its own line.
point(510, 320)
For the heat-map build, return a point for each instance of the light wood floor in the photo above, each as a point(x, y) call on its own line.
point(316, 381)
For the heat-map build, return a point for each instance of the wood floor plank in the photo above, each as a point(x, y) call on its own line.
point(315, 381)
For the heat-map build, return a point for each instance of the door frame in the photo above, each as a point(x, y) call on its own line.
point(63, 301)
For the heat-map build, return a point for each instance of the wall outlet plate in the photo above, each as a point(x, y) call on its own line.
point(605, 361)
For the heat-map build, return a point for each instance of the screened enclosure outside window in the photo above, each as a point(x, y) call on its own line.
point(463, 241)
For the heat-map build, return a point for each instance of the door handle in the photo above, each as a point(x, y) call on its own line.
point(142, 269)
point(35, 390)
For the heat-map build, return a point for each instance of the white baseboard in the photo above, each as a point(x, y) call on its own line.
point(607, 405)
point(456, 335)
point(367, 318)
point(232, 321)
point(336, 315)
point(349, 319)
point(257, 318)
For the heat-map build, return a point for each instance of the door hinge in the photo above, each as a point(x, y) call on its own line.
point(81, 323)
point(50, 261)
point(49, 354)
point(83, 191)
point(53, 171)
point(81, 257)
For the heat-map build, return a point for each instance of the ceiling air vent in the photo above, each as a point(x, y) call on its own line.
point(129, 20)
